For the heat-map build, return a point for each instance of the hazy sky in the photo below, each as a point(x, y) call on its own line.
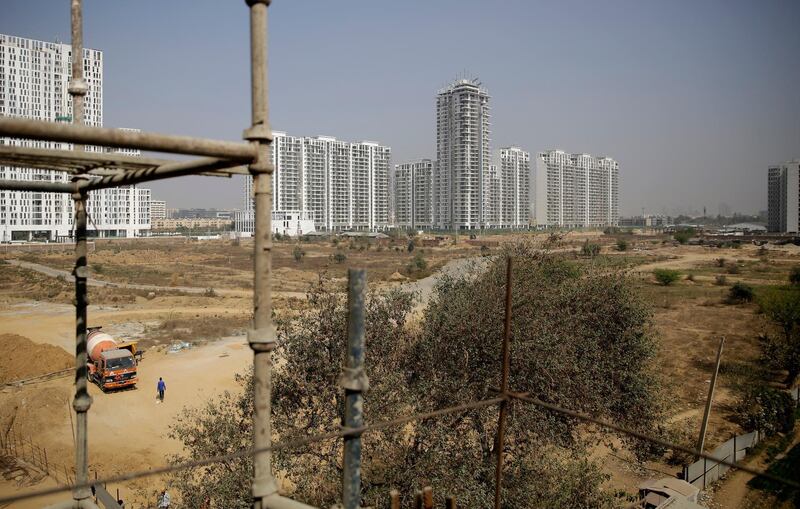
point(694, 98)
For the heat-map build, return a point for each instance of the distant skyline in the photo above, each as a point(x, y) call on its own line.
point(695, 100)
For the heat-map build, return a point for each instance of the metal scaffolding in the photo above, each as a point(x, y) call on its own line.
point(91, 170)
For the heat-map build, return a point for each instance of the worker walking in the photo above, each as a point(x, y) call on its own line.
point(161, 388)
point(163, 499)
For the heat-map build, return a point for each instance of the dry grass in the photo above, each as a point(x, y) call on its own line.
point(228, 264)
point(197, 329)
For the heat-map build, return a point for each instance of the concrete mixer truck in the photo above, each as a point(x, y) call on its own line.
point(112, 364)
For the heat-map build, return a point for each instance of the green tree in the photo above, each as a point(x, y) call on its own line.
point(417, 264)
point(766, 409)
point(298, 253)
point(451, 356)
point(782, 307)
point(589, 249)
point(683, 236)
point(339, 257)
point(740, 292)
point(794, 276)
point(622, 245)
point(666, 276)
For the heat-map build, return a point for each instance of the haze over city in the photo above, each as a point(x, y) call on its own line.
point(694, 100)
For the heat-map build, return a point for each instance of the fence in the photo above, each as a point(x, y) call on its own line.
point(13, 443)
point(16, 445)
point(705, 471)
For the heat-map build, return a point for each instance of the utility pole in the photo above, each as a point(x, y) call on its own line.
point(702, 440)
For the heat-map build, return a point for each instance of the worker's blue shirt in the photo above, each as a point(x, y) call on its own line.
point(161, 385)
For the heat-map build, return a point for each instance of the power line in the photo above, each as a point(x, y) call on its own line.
point(299, 442)
point(288, 444)
point(616, 427)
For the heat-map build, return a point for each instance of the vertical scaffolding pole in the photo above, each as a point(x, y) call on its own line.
point(355, 382)
point(262, 336)
point(506, 366)
point(77, 86)
point(82, 400)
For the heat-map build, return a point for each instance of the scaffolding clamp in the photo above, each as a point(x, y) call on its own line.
point(82, 402)
point(354, 379)
point(78, 86)
point(263, 337)
point(264, 487)
point(258, 132)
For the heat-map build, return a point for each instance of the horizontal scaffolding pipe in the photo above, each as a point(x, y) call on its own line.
point(72, 160)
point(37, 186)
point(176, 169)
point(118, 138)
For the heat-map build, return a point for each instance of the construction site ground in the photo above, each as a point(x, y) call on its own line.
point(128, 430)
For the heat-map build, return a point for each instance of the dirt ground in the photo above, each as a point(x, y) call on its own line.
point(128, 429)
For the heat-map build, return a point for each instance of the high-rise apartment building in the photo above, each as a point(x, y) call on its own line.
point(413, 194)
point(783, 197)
point(515, 202)
point(158, 209)
point(463, 157)
point(340, 185)
point(34, 82)
point(575, 190)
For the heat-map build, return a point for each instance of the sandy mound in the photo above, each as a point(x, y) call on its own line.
point(396, 276)
point(22, 358)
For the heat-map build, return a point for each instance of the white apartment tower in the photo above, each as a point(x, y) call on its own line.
point(783, 197)
point(339, 185)
point(34, 81)
point(515, 185)
point(463, 157)
point(575, 190)
point(413, 194)
point(158, 209)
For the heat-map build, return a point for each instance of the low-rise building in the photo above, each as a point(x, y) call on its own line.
point(192, 223)
point(292, 223)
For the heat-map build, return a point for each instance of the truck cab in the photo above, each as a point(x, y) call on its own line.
point(115, 369)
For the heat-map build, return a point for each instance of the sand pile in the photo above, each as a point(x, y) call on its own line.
point(396, 276)
point(22, 358)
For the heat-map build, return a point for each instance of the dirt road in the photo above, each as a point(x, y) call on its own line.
point(49, 271)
